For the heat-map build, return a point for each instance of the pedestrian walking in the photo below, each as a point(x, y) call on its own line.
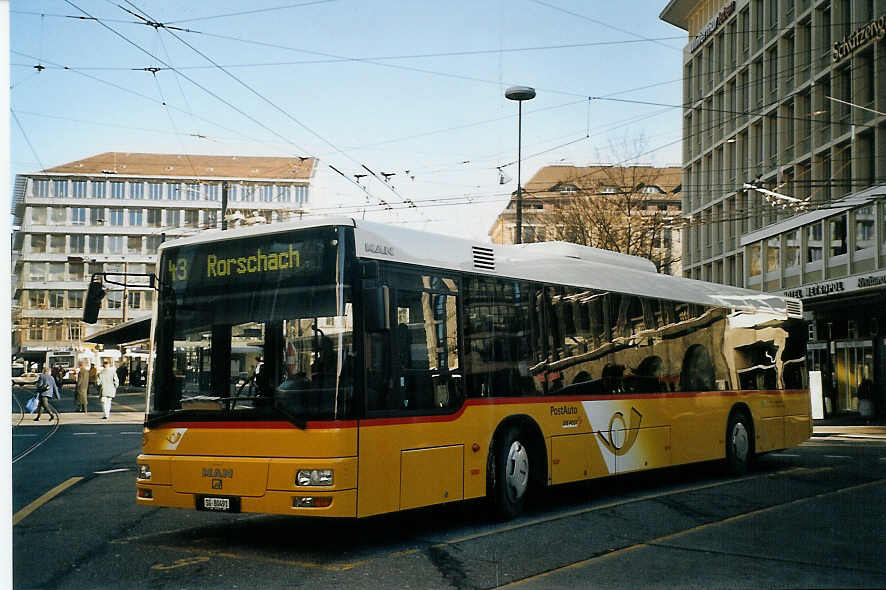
point(122, 373)
point(82, 387)
point(47, 388)
point(93, 379)
point(107, 386)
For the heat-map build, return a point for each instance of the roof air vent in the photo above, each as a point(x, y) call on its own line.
point(794, 308)
point(484, 258)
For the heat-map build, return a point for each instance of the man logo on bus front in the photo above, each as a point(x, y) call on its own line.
point(617, 443)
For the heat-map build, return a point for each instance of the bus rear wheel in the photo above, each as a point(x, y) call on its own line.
point(512, 474)
point(739, 443)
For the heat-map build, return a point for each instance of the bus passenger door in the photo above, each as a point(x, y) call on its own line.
point(407, 457)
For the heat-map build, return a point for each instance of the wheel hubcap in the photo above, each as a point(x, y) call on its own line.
point(517, 475)
point(740, 441)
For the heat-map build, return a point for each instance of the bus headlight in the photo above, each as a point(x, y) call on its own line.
point(144, 471)
point(313, 477)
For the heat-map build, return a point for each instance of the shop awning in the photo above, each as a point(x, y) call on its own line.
point(131, 331)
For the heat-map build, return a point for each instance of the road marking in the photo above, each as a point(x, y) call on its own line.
point(83, 433)
point(111, 471)
point(331, 567)
point(837, 457)
point(27, 510)
point(23, 435)
point(180, 563)
point(617, 503)
point(783, 455)
point(130, 433)
point(659, 540)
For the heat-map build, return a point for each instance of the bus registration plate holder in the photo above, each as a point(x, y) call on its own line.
point(218, 503)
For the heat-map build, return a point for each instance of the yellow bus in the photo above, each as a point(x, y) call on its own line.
point(342, 368)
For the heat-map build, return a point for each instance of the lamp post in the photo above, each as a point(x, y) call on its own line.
point(519, 93)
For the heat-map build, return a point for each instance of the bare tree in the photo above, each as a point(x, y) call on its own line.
point(624, 209)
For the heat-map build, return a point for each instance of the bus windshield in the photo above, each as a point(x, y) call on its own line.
point(258, 327)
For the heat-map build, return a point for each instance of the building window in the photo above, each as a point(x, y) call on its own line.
point(40, 187)
point(135, 217)
point(154, 217)
point(60, 188)
point(56, 299)
point(174, 191)
point(837, 229)
point(792, 249)
point(56, 271)
point(301, 194)
point(37, 271)
point(74, 331)
point(211, 218)
point(212, 192)
point(96, 245)
point(77, 243)
point(118, 189)
point(37, 299)
point(134, 244)
point(754, 260)
point(773, 249)
point(75, 271)
point(96, 216)
point(265, 193)
point(173, 217)
point(57, 244)
point(152, 243)
point(115, 216)
point(233, 192)
point(864, 228)
point(192, 218)
point(35, 330)
point(57, 215)
point(192, 192)
point(134, 300)
point(155, 191)
point(814, 242)
point(247, 194)
point(136, 190)
point(115, 299)
point(38, 243)
point(38, 215)
point(98, 189)
point(115, 244)
point(75, 299)
point(78, 188)
point(78, 215)
point(284, 194)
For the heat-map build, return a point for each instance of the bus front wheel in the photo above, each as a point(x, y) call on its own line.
point(512, 474)
point(739, 443)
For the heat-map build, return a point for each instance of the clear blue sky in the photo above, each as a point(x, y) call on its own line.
point(352, 82)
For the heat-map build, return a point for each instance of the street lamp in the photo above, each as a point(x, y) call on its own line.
point(519, 93)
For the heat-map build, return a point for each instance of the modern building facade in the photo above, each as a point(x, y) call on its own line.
point(109, 213)
point(790, 96)
point(654, 190)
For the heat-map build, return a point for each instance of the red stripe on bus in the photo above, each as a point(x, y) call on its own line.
point(486, 401)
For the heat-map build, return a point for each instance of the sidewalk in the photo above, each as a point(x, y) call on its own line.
point(92, 418)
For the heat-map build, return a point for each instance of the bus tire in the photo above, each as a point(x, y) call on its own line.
point(512, 475)
point(739, 443)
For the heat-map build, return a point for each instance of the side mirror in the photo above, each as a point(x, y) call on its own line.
point(93, 302)
point(377, 303)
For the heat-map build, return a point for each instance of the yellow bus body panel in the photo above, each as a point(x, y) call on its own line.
point(395, 463)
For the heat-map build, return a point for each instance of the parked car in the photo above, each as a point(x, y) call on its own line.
point(26, 379)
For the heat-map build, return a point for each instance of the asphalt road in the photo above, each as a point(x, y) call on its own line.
point(807, 517)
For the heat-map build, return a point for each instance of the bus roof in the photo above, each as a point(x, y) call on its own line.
point(550, 262)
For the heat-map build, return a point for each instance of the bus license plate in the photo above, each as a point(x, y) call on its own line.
point(217, 503)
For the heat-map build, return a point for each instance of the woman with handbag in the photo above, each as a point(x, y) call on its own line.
point(47, 388)
point(82, 387)
point(107, 386)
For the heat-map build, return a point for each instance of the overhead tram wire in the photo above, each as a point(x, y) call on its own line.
point(27, 140)
point(192, 81)
point(145, 96)
point(261, 96)
point(246, 12)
